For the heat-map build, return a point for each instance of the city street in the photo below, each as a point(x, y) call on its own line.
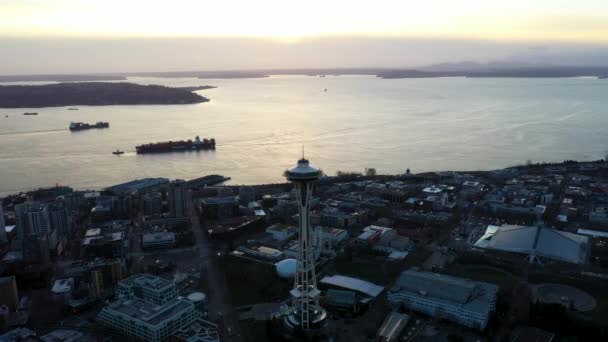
point(220, 307)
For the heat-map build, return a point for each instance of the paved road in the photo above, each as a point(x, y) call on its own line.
point(136, 254)
point(220, 307)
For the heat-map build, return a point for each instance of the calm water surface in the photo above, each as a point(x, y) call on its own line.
point(360, 121)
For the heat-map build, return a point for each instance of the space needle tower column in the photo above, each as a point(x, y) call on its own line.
point(305, 311)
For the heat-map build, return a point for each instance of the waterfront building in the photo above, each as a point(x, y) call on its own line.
point(466, 302)
point(179, 199)
point(3, 238)
point(140, 185)
point(246, 195)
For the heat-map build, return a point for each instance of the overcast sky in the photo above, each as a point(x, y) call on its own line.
point(70, 36)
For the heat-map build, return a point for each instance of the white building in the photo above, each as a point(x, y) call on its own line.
point(464, 301)
point(536, 242)
point(371, 234)
point(148, 321)
point(282, 232)
point(146, 287)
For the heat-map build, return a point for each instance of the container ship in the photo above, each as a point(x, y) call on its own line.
point(177, 146)
point(80, 126)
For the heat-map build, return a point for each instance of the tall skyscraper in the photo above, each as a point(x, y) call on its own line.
point(305, 313)
point(38, 221)
point(58, 217)
point(246, 195)
point(179, 198)
point(21, 225)
point(153, 204)
point(2, 225)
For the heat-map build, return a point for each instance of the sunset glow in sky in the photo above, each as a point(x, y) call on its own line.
point(155, 35)
point(547, 20)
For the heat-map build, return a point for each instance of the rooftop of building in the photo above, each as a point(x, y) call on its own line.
point(63, 335)
point(61, 286)
point(92, 232)
point(147, 312)
point(393, 325)
point(536, 240)
point(355, 284)
point(471, 295)
point(146, 280)
point(341, 297)
point(158, 236)
point(138, 184)
point(199, 330)
point(530, 334)
point(280, 227)
point(220, 200)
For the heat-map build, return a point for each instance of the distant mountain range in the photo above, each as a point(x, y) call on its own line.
point(458, 69)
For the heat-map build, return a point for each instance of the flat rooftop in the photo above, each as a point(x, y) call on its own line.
point(149, 313)
point(146, 280)
point(470, 295)
point(351, 283)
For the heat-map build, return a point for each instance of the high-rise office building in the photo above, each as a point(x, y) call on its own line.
point(246, 195)
point(58, 217)
point(20, 226)
point(305, 312)
point(2, 225)
point(153, 203)
point(179, 198)
point(38, 221)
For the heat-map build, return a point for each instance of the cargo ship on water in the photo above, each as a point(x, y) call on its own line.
point(177, 146)
point(81, 126)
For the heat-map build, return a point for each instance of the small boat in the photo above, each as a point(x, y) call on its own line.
point(118, 152)
point(30, 113)
point(72, 108)
point(325, 89)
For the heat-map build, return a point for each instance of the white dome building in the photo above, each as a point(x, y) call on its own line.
point(286, 268)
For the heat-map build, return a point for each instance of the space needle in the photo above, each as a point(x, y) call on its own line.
point(305, 311)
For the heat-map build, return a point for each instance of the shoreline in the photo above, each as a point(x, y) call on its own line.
point(559, 167)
